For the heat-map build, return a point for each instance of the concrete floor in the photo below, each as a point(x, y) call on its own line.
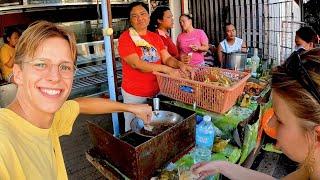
point(75, 146)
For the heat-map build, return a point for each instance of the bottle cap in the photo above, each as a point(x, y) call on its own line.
point(207, 118)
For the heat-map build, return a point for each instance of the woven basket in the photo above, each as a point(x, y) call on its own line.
point(207, 96)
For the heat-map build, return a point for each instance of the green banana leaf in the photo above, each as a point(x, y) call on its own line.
point(250, 139)
point(270, 148)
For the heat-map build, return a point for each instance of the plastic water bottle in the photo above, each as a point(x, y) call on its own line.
point(204, 140)
point(255, 62)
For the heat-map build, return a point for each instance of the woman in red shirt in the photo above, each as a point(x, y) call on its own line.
point(143, 52)
point(161, 21)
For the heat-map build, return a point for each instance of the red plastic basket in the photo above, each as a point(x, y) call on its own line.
point(208, 96)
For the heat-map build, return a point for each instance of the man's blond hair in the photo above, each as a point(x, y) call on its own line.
point(38, 32)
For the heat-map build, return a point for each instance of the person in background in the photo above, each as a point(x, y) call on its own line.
point(10, 39)
point(231, 43)
point(161, 21)
point(30, 127)
point(192, 42)
point(296, 103)
point(306, 39)
point(143, 52)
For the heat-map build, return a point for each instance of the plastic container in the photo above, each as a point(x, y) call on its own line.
point(206, 95)
point(204, 140)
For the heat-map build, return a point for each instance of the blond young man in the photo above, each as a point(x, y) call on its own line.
point(31, 125)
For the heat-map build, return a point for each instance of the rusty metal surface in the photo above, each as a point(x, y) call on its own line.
point(164, 147)
point(116, 151)
point(139, 160)
point(105, 168)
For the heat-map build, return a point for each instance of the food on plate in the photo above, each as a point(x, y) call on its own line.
point(254, 89)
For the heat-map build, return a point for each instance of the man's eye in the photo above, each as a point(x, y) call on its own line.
point(66, 67)
point(40, 65)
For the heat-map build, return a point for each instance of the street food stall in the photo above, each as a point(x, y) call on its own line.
point(134, 155)
point(238, 103)
point(235, 101)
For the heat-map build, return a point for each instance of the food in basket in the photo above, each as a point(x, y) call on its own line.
point(254, 89)
point(208, 96)
point(186, 75)
point(217, 78)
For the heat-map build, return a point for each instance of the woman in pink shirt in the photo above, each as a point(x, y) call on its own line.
point(192, 41)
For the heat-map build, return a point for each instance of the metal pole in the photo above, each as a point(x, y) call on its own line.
point(302, 10)
point(110, 72)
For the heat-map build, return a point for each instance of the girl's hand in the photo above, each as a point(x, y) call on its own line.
point(205, 169)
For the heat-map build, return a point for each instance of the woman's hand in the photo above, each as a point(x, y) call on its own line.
point(205, 169)
point(174, 72)
point(185, 58)
point(187, 70)
point(142, 111)
point(194, 48)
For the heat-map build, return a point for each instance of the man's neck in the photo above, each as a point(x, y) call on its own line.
point(231, 41)
point(35, 117)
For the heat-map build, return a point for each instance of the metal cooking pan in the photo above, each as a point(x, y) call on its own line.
point(160, 121)
point(235, 61)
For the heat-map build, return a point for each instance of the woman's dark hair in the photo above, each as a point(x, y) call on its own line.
point(227, 24)
point(137, 3)
point(307, 34)
point(8, 33)
point(156, 15)
point(187, 16)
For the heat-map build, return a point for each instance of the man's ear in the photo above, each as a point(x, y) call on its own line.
point(17, 74)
